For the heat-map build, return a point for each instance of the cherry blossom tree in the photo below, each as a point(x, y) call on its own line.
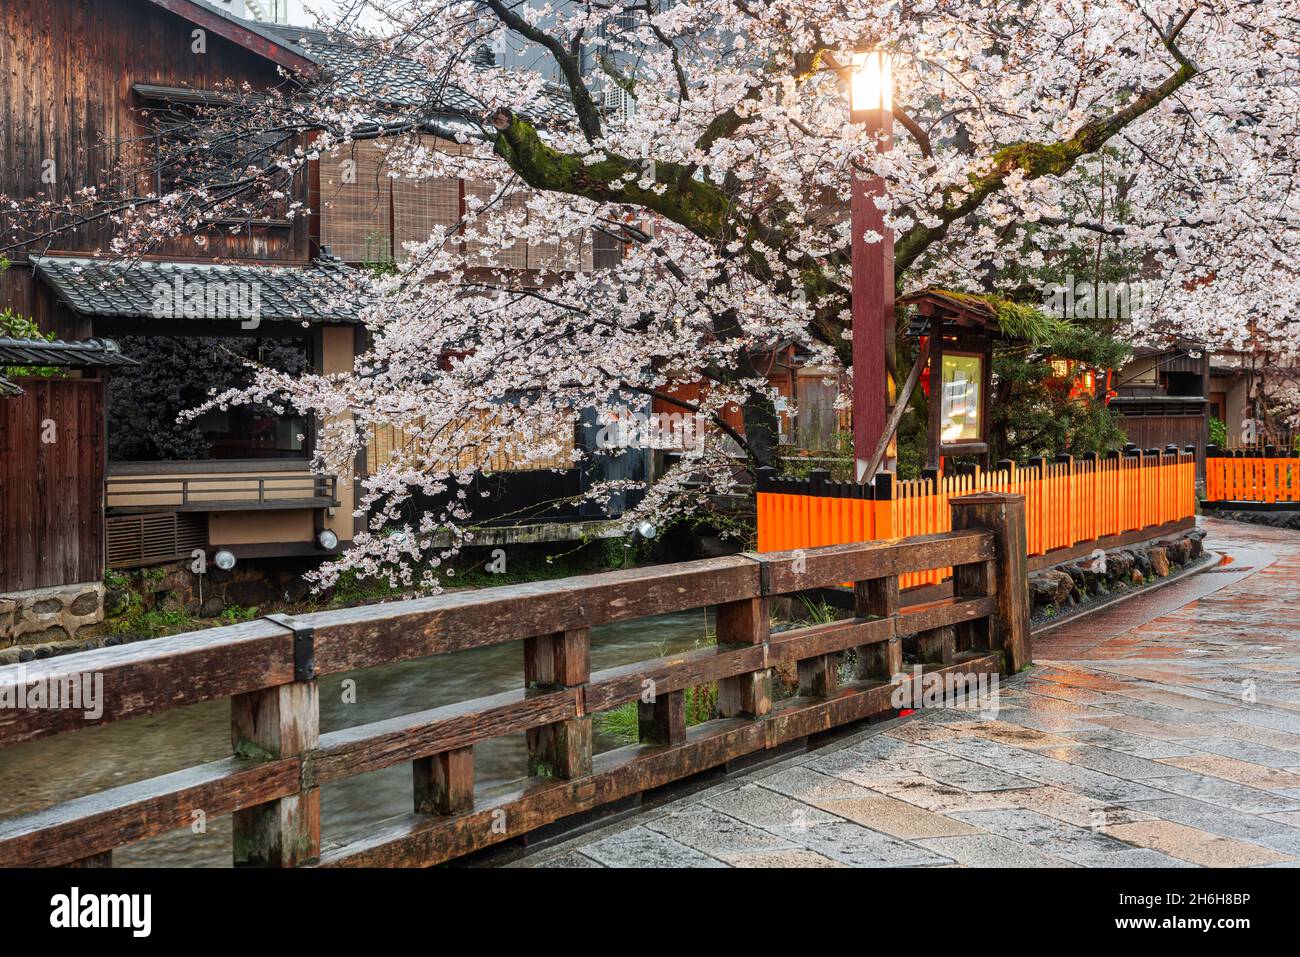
point(1162, 130)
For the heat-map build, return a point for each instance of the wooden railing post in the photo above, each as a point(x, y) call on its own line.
point(559, 660)
point(279, 722)
point(878, 597)
point(663, 720)
point(1004, 516)
point(744, 622)
point(444, 783)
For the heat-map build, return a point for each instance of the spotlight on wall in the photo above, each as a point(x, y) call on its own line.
point(225, 560)
point(647, 530)
point(327, 540)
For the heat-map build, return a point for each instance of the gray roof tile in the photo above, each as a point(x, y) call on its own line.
point(323, 292)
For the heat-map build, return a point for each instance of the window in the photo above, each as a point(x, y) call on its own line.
point(963, 377)
point(177, 374)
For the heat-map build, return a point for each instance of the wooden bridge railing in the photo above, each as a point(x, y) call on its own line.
point(269, 669)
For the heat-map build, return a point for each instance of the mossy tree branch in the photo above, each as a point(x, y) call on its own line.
point(1041, 159)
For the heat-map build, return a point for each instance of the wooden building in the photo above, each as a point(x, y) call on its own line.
point(85, 83)
point(1162, 399)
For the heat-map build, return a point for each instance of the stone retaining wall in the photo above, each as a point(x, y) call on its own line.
point(54, 614)
point(1056, 590)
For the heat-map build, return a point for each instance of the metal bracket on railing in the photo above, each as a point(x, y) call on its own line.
point(764, 573)
point(304, 645)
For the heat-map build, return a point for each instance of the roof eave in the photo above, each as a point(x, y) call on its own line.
point(244, 33)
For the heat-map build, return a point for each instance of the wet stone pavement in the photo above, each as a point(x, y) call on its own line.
point(1163, 731)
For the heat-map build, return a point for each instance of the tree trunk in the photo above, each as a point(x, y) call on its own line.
point(761, 430)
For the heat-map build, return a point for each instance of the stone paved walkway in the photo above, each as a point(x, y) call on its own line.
point(1162, 732)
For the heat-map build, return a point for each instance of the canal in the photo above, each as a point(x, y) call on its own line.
point(40, 773)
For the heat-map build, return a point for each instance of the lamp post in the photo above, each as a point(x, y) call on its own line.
point(871, 102)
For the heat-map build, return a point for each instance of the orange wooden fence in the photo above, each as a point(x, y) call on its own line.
point(1067, 501)
point(1255, 476)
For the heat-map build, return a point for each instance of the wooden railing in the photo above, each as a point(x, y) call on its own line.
point(269, 669)
point(1071, 504)
point(188, 493)
point(1259, 477)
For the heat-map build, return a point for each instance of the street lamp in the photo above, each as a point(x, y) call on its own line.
point(871, 102)
point(870, 85)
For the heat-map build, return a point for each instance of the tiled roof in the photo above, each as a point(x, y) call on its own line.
point(324, 292)
point(392, 80)
point(85, 354)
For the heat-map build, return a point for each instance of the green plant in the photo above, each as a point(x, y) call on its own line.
point(1218, 432)
point(379, 256)
point(154, 623)
point(115, 579)
point(819, 612)
point(14, 326)
point(623, 722)
point(233, 614)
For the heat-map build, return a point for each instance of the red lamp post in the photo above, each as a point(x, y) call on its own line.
point(871, 102)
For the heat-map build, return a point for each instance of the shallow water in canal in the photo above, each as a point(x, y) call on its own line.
point(40, 773)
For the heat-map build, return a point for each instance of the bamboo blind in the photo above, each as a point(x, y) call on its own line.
point(387, 442)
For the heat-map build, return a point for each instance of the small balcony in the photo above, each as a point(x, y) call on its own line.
point(220, 492)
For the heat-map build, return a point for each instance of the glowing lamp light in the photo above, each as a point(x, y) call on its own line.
point(225, 560)
point(327, 540)
point(870, 84)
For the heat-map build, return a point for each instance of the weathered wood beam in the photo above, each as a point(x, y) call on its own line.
point(1004, 516)
point(561, 660)
point(744, 622)
point(280, 722)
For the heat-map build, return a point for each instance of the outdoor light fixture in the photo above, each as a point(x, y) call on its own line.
point(647, 530)
point(870, 85)
point(225, 560)
point(871, 103)
point(327, 540)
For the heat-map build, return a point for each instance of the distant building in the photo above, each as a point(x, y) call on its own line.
point(265, 11)
point(1161, 398)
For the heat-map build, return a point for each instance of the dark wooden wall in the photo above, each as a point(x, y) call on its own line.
point(52, 493)
point(1157, 431)
point(66, 73)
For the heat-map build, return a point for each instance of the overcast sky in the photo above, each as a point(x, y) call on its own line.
point(298, 10)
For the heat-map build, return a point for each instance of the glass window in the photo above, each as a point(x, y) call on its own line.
point(177, 374)
point(963, 377)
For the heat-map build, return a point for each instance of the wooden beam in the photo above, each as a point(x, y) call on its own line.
point(444, 782)
point(744, 623)
point(561, 660)
point(900, 407)
point(663, 720)
point(1004, 516)
point(879, 597)
point(279, 722)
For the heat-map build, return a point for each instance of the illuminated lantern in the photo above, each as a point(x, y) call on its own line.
point(955, 334)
